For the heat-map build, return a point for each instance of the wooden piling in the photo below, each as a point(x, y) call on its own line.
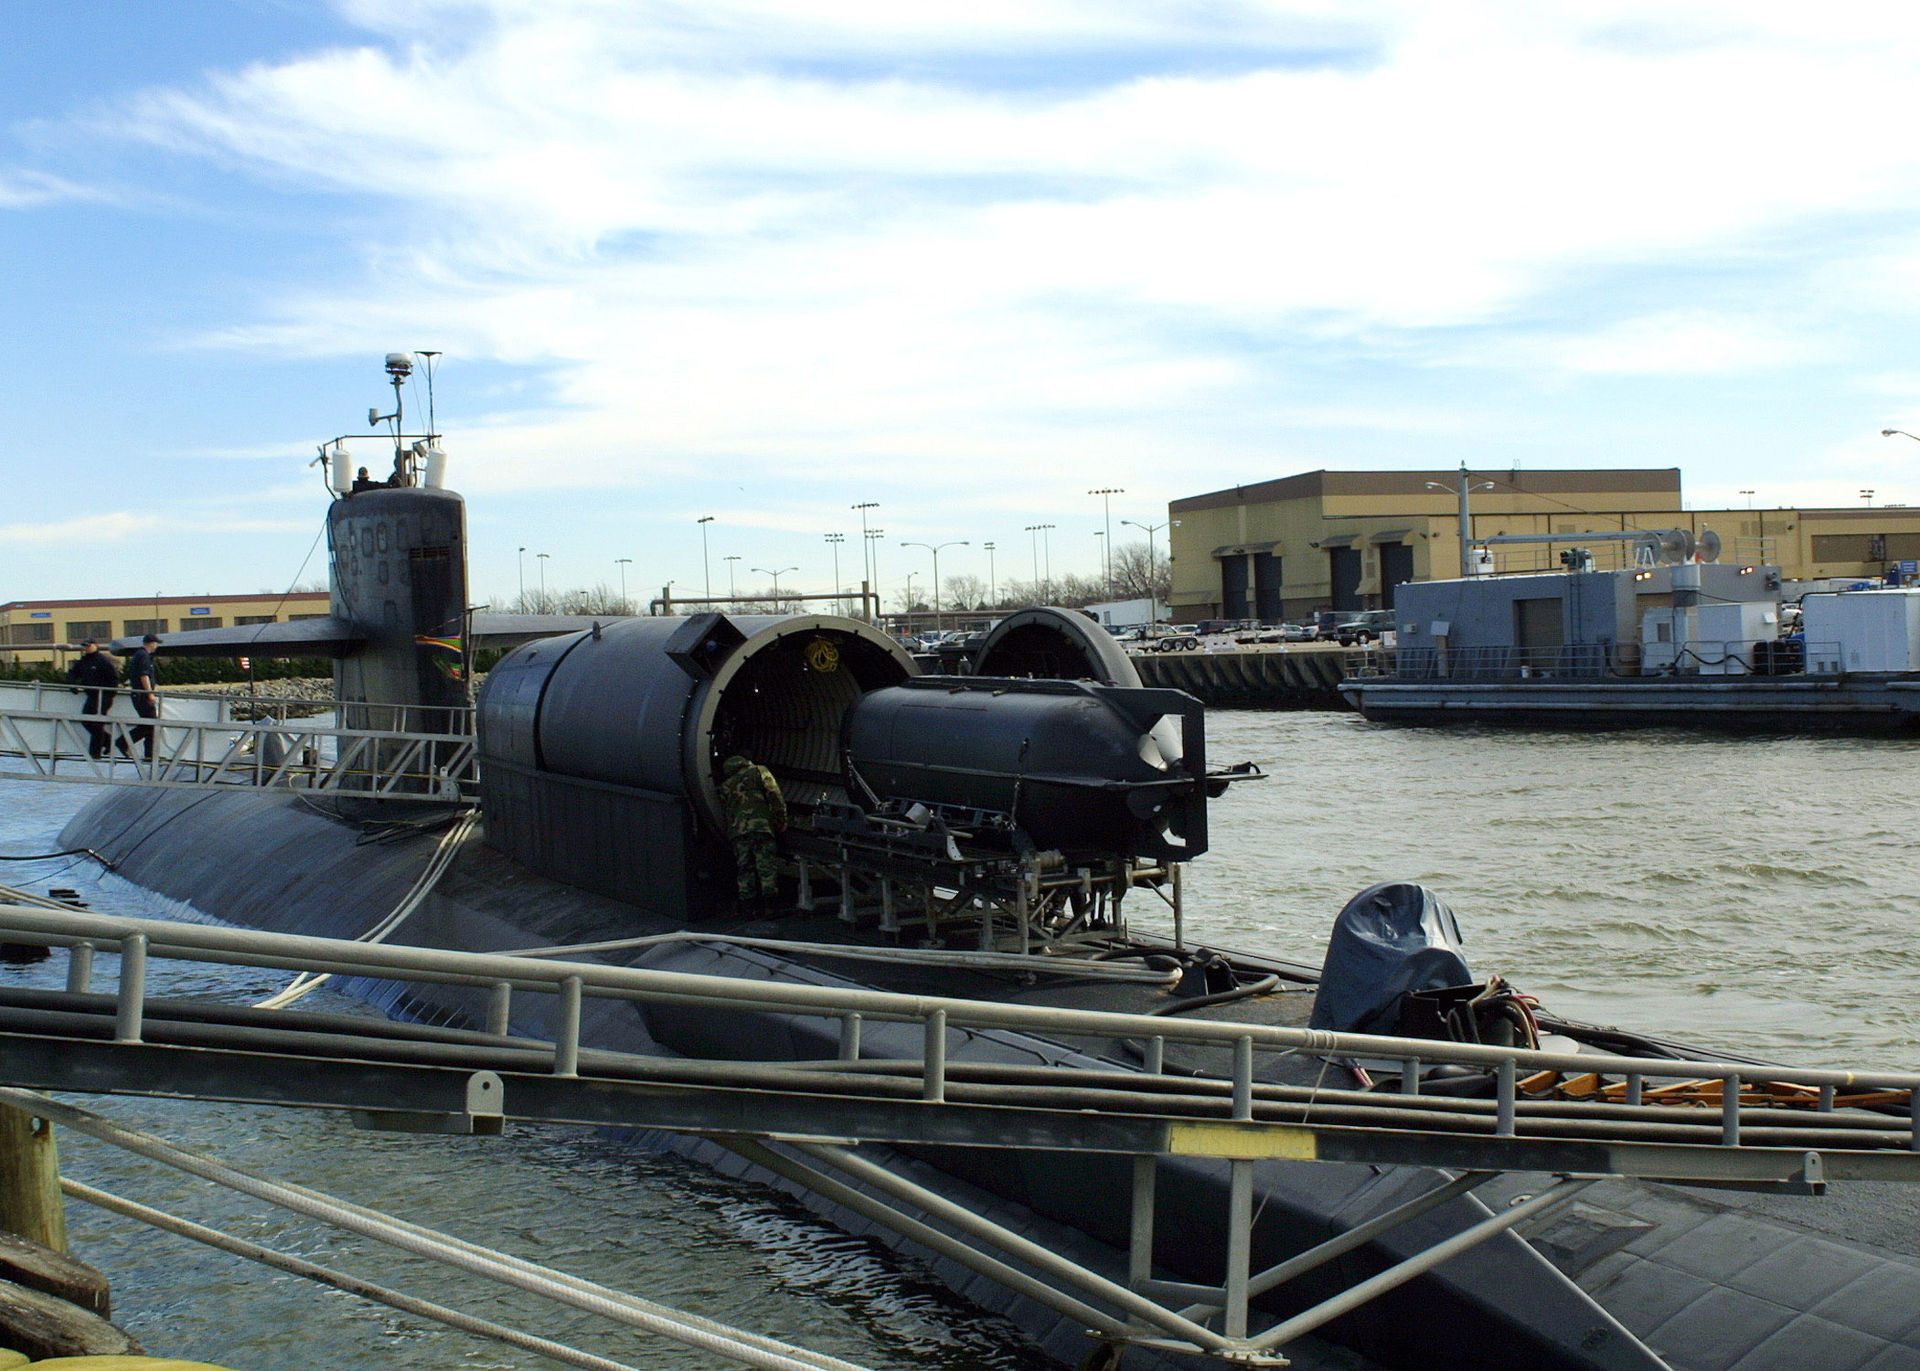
point(30, 1201)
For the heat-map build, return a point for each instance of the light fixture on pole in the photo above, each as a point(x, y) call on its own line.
point(833, 541)
point(523, 579)
point(706, 567)
point(993, 594)
point(1466, 517)
point(1867, 495)
point(1106, 494)
point(1749, 495)
point(1033, 545)
point(730, 559)
point(623, 563)
point(1046, 555)
point(934, 548)
point(541, 558)
point(776, 579)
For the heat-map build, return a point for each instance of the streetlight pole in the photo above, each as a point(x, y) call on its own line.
point(706, 567)
point(1033, 545)
point(1867, 495)
point(934, 548)
point(1466, 518)
point(866, 544)
point(1046, 553)
point(523, 580)
point(730, 559)
point(1153, 581)
point(776, 580)
point(541, 558)
point(1106, 562)
point(833, 541)
point(623, 563)
point(1106, 494)
point(993, 594)
point(873, 537)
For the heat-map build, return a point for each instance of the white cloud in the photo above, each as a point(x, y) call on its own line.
point(24, 189)
point(93, 528)
point(1678, 343)
point(749, 239)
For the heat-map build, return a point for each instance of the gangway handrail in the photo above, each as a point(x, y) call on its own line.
point(815, 1108)
point(205, 752)
point(305, 952)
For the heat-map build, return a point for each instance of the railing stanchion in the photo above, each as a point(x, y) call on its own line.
point(499, 1008)
point(79, 968)
point(933, 1084)
point(566, 1038)
point(131, 1004)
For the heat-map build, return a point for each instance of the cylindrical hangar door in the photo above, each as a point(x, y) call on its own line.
point(601, 751)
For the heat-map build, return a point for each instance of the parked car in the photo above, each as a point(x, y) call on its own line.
point(1366, 626)
point(1277, 633)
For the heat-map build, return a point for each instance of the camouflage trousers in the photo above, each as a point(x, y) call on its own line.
point(756, 869)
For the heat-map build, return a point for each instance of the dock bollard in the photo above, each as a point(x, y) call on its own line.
point(30, 1201)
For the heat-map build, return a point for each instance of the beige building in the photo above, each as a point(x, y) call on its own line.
point(49, 630)
point(1344, 539)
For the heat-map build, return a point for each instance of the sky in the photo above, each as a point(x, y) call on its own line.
point(767, 261)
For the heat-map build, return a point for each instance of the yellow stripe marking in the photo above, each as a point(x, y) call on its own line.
point(1240, 1140)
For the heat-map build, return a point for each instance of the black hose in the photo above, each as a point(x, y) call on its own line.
point(1239, 992)
point(49, 856)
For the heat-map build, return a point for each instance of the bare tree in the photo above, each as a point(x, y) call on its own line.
point(964, 592)
point(1141, 573)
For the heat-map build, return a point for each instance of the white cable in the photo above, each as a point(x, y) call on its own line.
point(306, 982)
point(768, 1354)
point(339, 1280)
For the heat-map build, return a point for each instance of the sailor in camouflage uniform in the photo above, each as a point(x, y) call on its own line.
point(756, 811)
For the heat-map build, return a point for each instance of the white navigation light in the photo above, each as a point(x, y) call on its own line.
point(399, 365)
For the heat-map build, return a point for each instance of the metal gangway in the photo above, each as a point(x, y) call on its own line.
point(1576, 1117)
point(395, 752)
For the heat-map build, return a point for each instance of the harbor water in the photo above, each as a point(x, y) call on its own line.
point(1751, 894)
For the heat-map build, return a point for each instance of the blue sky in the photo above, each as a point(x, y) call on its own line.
point(763, 261)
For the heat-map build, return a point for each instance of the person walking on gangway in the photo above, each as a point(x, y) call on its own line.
point(95, 670)
point(756, 812)
point(143, 681)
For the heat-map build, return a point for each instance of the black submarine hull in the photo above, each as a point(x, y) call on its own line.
point(277, 862)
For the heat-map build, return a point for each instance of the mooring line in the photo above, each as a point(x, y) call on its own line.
point(693, 1330)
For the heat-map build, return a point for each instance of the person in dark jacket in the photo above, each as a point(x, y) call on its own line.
point(143, 685)
point(96, 671)
point(756, 811)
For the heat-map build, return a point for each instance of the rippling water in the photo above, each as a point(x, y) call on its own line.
point(1753, 894)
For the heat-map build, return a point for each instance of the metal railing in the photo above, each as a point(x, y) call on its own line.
point(1728, 1123)
point(219, 706)
point(1604, 661)
point(58, 746)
